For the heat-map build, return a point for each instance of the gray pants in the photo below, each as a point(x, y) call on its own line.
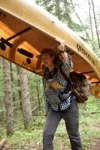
point(71, 118)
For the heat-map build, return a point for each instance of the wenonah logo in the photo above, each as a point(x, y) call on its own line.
point(84, 52)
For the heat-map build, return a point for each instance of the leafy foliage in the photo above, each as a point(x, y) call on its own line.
point(62, 10)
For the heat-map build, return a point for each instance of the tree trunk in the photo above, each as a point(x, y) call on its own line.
point(18, 84)
point(87, 35)
point(8, 97)
point(25, 98)
point(38, 92)
point(90, 19)
point(91, 26)
point(96, 27)
point(77, 15)
point(12, 80)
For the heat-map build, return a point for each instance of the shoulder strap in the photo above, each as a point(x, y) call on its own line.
point(64, 75)
point(66, 78)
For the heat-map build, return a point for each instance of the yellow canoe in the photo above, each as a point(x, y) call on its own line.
point(26, 28)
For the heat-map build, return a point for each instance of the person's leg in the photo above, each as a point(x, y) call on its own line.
point(52, 122)
point(71, 117)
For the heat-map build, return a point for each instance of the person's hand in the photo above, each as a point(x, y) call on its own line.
point(61, 49)
point(60, 43)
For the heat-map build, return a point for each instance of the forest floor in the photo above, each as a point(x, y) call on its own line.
point(31, 139)
point(95, 145)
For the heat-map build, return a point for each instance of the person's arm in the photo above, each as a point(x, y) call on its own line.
point(62, 49)
point(66, 58)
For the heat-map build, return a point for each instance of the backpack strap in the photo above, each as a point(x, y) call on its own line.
point(64, 75)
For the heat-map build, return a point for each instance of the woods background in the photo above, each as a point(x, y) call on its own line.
point(21, 92)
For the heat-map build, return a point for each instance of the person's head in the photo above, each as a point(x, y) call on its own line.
point(47, 57)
